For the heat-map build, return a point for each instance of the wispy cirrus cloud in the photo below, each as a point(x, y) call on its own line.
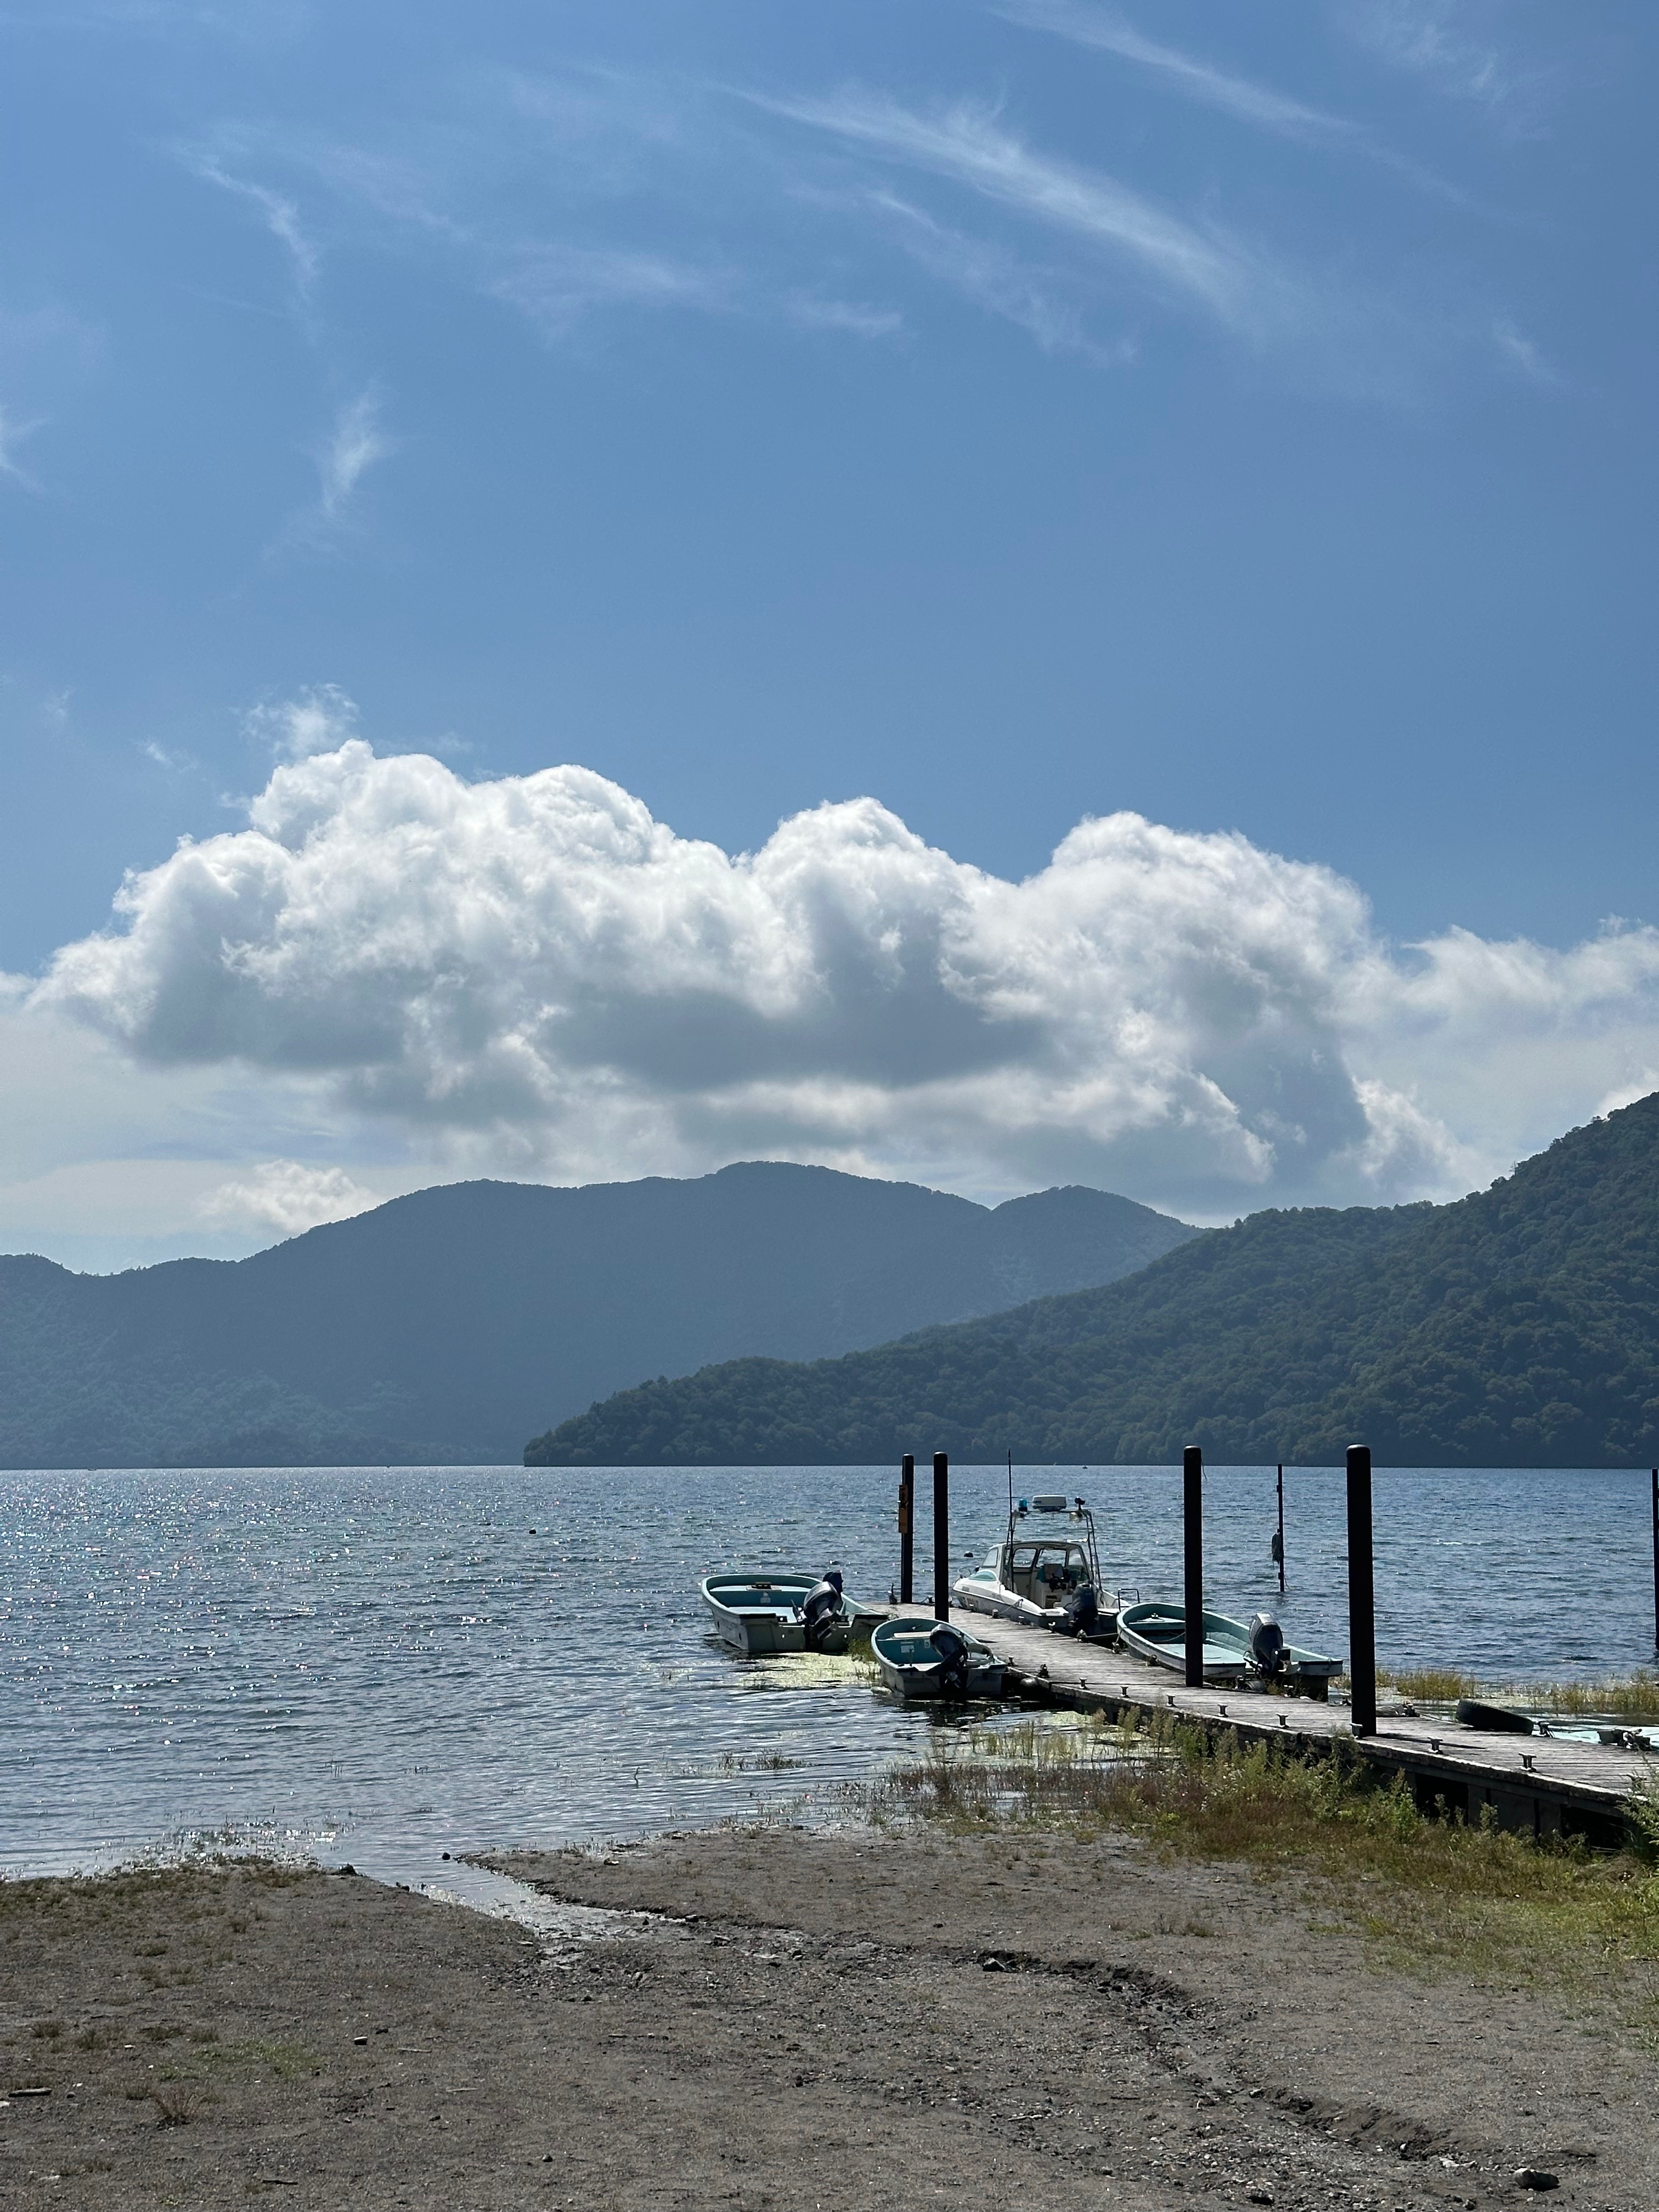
point(1191, 78)
point(574, 198)
point(46, 354)
point(247, 22)
point(1103, 240)
point(280, 214)
point(558, 286)
point(986, 274)
point(856, 316)
point(1520, 354)
point(1435, 40)
point(14, 433)
point(967, 144)
point(356, 442)
point(1108, 33)
point(394, 197)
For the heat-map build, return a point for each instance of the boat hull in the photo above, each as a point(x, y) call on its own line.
point(757, 1634)
point(758, 1613)
point(1159, 1634)
point(998, 1603)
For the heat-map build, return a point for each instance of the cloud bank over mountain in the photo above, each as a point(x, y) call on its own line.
point(531, 975)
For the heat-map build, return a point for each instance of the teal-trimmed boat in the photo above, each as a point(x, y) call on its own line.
point(920, 1657)
point(1232, 1652)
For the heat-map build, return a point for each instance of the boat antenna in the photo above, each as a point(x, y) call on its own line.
point(1010, 1489)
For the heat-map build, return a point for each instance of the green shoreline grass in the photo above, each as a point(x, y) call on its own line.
point(1425, 1892)
point(1625, 1697)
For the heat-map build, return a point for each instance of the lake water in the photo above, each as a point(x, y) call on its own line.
point(386, 1664)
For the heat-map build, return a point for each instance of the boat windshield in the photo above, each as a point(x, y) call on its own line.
point(1046, 1572)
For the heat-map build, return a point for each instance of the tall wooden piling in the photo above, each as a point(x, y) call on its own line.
point(1279, 1533)
point(1362, 1601)
point(941, 1537)
point(1656, 1559)
point(1192, 1519)
point(906, 1523)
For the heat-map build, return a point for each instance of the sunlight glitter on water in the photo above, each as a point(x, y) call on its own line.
point(379, 1664)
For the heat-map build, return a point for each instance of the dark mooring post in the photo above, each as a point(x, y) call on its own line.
point(1362, 1602)
point(1192, 1519)
point(907, 1528)
point(1656, 1559)
point(1278, 1539)
point(941, 1537)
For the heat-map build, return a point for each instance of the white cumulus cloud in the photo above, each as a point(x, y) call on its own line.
point(285, 1195)
point(532, 974)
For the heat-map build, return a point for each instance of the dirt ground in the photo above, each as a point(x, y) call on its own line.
point(829, 2020)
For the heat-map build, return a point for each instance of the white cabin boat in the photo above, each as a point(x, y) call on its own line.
point(1047, 1556)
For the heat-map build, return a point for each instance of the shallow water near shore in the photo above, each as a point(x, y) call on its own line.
point(379, 1665)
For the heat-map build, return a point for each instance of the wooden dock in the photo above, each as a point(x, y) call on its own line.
point(1543, 1785)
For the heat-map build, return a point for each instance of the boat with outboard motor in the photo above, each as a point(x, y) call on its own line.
point(1045, 1573)
point(920, 1657)
point(1232, 1651)
point(772, 1609)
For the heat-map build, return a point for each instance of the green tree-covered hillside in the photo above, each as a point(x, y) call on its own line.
point(1518, 1326)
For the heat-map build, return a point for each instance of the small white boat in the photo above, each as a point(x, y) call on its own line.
point(920, 1657)
point(1232, 1651)
point(764, 1609)
point(1041, 1569)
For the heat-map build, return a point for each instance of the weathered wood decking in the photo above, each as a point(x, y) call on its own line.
point(1539, 1783)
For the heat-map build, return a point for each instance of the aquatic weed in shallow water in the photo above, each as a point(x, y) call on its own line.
point(1429, 1686)
point(1624, 1696)
point(1628, 1697)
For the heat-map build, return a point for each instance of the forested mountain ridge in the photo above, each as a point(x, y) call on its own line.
point(442, 1327)
point(1516, 1326)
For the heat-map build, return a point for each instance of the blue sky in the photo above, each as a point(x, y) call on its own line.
point(1013, 414)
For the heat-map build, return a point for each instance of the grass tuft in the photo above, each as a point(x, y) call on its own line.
point(177, 2103)
point(1434, 1685)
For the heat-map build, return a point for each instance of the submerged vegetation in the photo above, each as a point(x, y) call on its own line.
point(1424, 1888)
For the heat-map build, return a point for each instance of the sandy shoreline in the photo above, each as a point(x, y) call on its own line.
point(829, 2019)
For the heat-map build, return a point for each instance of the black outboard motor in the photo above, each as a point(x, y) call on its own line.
point(1080, 1615)
point(823, 1609)
point(1266, 1644)
point(952, 1649)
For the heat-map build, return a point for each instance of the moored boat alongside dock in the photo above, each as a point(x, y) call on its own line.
point(1232, 1652)
point(1046, 1574)
point(923, 1658)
